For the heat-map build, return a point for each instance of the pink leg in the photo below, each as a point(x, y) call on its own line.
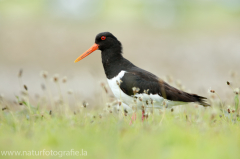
point(133, 118)
point(143, 115)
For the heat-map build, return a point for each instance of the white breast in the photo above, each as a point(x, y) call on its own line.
point(118, 93)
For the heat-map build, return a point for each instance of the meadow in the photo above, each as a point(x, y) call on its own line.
point(53, 116)
point(42, 123)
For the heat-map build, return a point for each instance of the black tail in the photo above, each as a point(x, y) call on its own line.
point(201, 100)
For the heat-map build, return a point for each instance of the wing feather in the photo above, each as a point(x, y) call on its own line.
point(144, 80)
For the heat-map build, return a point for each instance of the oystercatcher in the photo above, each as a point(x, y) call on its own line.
point(132, 84)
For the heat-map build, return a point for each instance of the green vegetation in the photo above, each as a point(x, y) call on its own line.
point(190, 131)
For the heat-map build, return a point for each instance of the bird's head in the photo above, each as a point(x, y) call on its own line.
point(103, 41)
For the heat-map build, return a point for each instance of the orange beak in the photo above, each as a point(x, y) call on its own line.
point(88, 52)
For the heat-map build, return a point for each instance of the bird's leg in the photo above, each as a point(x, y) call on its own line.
point(143, 114)
point(133, 118)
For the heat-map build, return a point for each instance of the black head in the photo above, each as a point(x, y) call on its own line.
point(106, 40)
point(107, 43)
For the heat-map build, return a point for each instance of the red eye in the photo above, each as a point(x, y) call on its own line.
point(103, 37)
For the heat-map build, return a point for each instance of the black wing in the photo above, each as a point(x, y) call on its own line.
point(144, 80)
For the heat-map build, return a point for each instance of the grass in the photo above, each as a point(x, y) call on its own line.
point(188, 132)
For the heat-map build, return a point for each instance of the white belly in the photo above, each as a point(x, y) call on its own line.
point(118, 93)
point(159, 102)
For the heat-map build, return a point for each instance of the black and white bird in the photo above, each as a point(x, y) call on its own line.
point(130, 83)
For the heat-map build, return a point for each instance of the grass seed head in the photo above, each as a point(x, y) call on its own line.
point(146, 116)
point(44, 74)
point(229, 111)
point(70, 92)
point(133, 107)
point(135, 90)
point(147, 102)
point(164, 103)
point(228, 83)
point(64, 79)
point(85, 104)
point(24, 93)
point(15, 102)
point(140, 98)
point(236, 91)
point(102, 84)
point(43, 86)
point(104, 87)
point(20, 73)
point(55, 78)
point(125, 112)
point(146, 91)
point(210, 90)
point(212, 116)
point(118, 82)
point(151, 100)
point(25, 87)
point(135, 101)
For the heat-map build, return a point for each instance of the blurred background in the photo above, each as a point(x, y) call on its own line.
point(195, 41)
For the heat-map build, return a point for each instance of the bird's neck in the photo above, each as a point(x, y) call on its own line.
point(114, 62)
